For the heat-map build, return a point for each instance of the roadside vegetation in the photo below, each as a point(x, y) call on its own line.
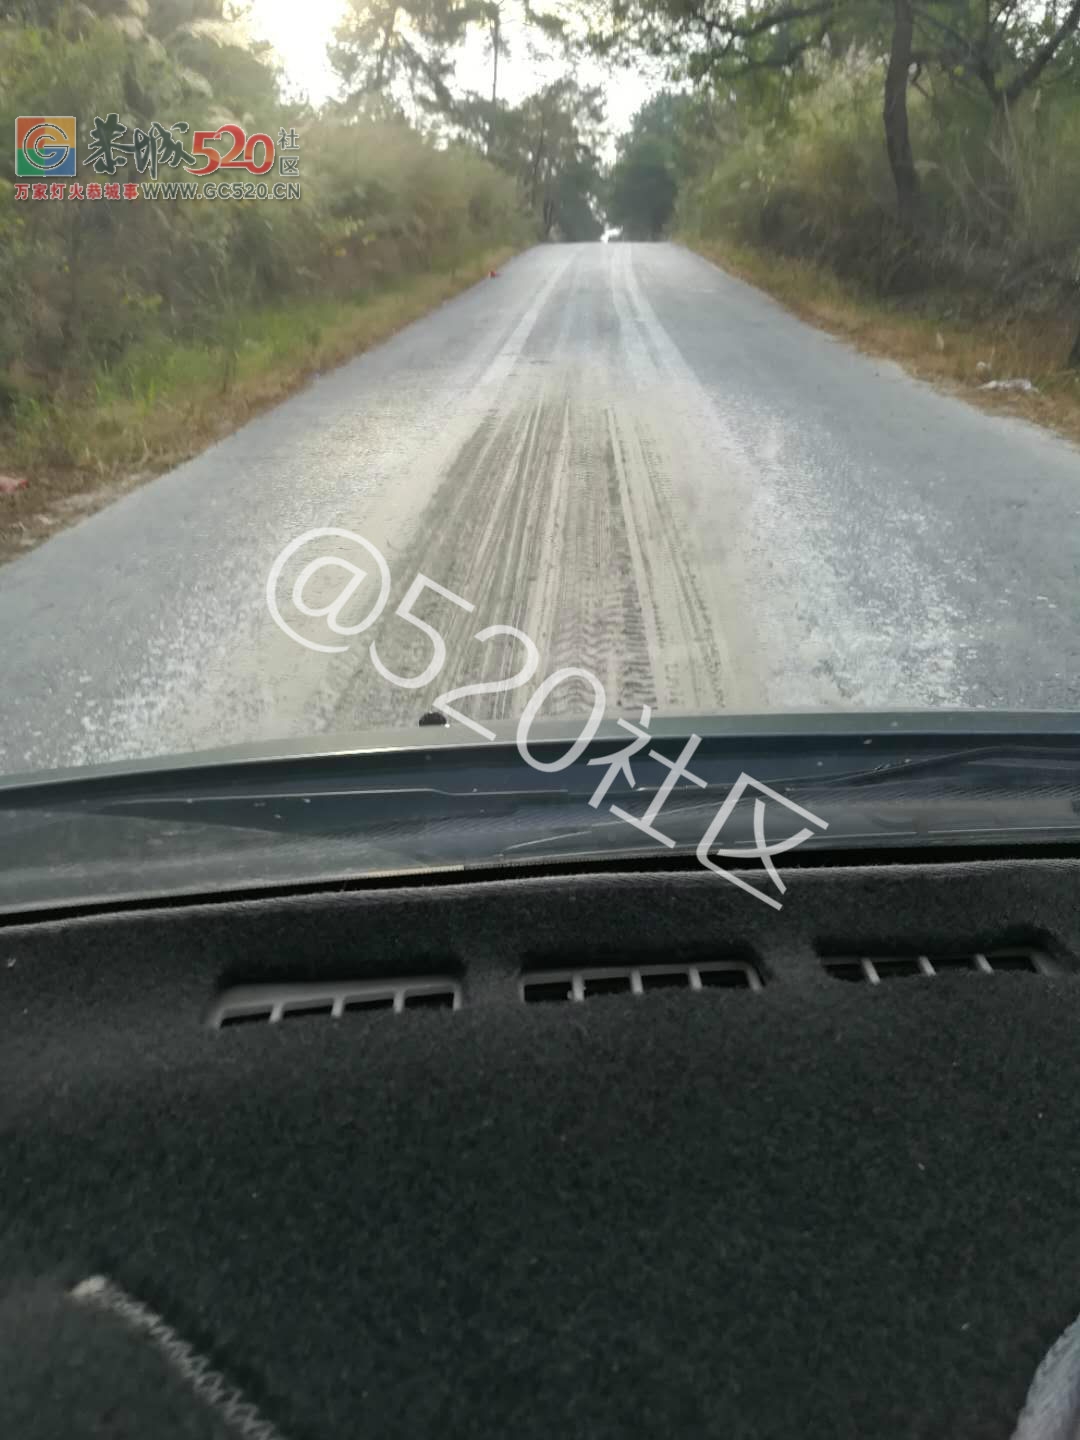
point(907, 175)
point(134, 333)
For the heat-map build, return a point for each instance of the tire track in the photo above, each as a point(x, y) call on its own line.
point(530, 523)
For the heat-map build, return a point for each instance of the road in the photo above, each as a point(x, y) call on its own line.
point(643, 464)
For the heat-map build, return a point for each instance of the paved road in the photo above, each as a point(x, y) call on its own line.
point(643, 464)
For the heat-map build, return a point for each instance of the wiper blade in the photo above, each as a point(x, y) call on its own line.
point(435, 799)
point(1025, 763)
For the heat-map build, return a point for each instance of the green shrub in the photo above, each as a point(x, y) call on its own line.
point(100, 289)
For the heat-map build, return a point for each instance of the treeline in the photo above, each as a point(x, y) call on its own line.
point(916, 147)
point(401, 176)
point(82, 283)
point(912, 147)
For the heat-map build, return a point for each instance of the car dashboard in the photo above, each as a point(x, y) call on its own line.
point(602, 1152)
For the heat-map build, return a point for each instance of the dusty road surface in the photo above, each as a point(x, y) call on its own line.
point(644, 465)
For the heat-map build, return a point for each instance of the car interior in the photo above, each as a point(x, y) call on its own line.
point(603, 1150)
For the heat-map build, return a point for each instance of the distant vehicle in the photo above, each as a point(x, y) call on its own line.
point(611, 235)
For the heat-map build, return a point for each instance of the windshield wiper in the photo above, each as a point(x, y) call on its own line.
point(436, 799)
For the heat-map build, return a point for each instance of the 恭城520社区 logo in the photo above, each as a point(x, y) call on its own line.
point(45, 151)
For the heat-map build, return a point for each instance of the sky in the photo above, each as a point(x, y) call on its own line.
point(300, 30)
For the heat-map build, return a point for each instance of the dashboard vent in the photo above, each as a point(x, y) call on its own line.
point(873, 969)
point(270, 1004)
point(555, 986)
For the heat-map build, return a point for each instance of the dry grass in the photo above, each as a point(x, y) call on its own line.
point(938, 342)
point(89, 447)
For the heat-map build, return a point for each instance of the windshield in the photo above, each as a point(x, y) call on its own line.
point(371, 367)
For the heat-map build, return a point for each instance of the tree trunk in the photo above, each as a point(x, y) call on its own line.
point(538, 156)
point(1073, 362)
point(494, 78)
point(897, 134)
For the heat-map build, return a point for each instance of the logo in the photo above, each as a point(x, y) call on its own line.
point(45, 146)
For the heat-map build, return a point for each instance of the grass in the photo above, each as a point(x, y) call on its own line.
point(167, 401)
point(946, 338)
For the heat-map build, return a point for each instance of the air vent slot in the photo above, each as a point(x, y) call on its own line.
point(556, 986)
point(874, 969)
point(269, 1004)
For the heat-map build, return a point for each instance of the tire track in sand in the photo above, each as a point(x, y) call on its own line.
point(558, 516)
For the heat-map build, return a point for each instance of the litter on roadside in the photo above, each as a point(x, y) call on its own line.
point(1024, 385)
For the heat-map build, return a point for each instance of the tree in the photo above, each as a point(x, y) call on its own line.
point(895, 114)
point(575, 202)
point(1003, 49)
point(494, 9)
point(643, 189)
point(496, 16)
point(401, 51)
point(551, 143)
